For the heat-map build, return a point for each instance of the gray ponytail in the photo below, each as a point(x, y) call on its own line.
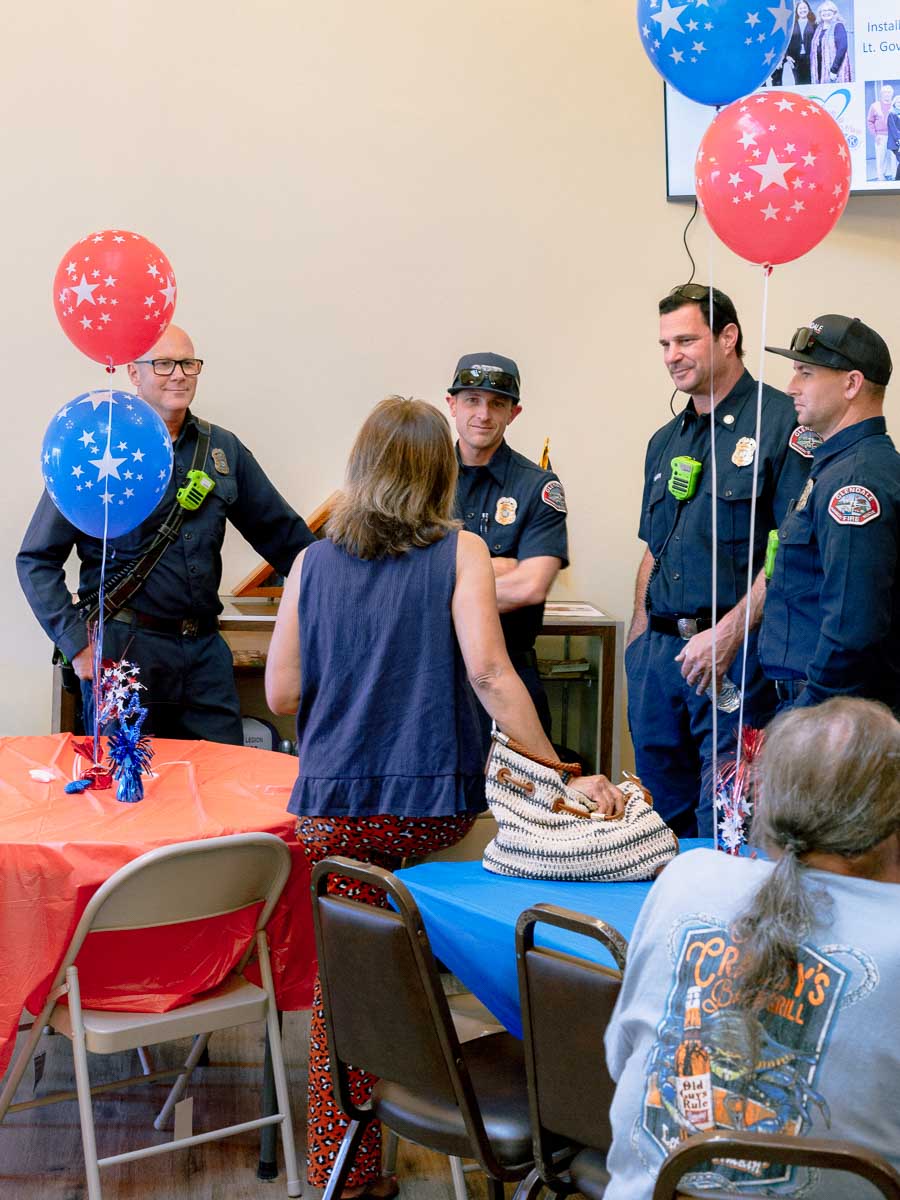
point(828, 782)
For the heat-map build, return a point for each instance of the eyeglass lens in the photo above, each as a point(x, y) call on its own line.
point(166, 366)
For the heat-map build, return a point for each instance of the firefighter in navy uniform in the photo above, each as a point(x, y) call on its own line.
point(517, 507)
point(831, 623)
point(668, 657)
point(170, 628)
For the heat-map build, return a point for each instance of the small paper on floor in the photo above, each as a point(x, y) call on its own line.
point(184, 1118)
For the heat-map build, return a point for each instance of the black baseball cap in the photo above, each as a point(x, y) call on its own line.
point(843, 343)
point(488, 373)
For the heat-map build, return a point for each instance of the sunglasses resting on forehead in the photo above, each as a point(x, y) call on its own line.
point(474, 377)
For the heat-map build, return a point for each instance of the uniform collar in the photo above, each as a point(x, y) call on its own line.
point(845, 438)
point(731, 405)
point(496, 467)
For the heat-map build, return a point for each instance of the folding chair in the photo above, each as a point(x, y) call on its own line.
point(777, 1148)
point(188, 881)
point(566, 1004)
point(385, 1012)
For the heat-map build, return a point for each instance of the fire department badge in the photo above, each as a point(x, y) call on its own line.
point(804, 440)
point(853, 505)
point(505, 513)
point(744, 452)
point(554, 495)
point(220, 462)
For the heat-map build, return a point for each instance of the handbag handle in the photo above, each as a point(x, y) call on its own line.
point(571, 769)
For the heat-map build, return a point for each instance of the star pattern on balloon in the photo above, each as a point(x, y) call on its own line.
point(701, 48)
point(98, 294)
point(87, 462)
point(773, 174)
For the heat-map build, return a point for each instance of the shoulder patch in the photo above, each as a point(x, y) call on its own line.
point(804, 440)
point(553, 495)
point(853, 505)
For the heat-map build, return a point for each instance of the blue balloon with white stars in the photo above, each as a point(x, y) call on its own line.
point(714, 51)
point(106, 461)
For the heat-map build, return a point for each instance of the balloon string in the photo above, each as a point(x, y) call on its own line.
point(767, 271)
point(715, 552)
point(101, 617)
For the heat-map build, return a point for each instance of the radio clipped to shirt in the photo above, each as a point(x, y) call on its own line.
point(685, 477)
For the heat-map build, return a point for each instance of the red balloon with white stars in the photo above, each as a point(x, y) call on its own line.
point(773, 175)
point(114, 294)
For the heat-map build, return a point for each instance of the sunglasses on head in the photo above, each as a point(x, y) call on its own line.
point(690, 291)
point(805, 339)
point(495, 377)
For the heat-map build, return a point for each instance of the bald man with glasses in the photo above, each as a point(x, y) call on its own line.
point(168, 626)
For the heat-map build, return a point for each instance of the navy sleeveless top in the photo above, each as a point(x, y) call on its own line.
point(387, 721)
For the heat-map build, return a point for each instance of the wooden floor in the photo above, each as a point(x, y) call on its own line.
point(40, 1149)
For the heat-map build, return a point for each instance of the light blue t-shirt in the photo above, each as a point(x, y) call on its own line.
point(829, 1063)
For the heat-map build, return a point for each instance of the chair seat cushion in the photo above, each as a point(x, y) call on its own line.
point(496, 1067)
point(589, 1173)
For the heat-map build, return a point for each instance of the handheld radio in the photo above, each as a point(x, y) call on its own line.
point(685, 477)
point(195, 491)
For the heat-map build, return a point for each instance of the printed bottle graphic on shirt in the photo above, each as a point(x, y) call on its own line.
point(693, 1085)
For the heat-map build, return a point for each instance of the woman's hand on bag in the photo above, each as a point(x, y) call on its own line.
point(598, 788)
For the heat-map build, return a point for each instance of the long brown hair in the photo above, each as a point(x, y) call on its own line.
point(400, 482)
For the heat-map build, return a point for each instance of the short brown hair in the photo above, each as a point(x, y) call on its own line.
point(400, 483)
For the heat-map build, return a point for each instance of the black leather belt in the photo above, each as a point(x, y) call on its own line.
point(789, 689)
point(188, 627)
point(683, 627)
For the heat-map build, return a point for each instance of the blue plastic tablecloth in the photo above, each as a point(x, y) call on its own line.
point(471, 915)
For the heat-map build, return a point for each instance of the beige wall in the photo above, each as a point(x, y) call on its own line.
point(351, 195)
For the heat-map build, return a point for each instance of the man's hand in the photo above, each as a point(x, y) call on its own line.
point(606, 795)
point(696, 658)
point(503, 566)
point(83, 663)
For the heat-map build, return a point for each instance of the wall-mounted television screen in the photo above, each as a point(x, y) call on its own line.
point(846, 57)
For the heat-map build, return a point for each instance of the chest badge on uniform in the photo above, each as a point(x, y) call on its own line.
point(804, 440)
point(554, 495)
point(505, 513)
point(804, 496)
point(744, 452)
point(854, 505)
point(220, 462)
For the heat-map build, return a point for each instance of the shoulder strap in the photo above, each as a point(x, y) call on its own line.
point(138, 573)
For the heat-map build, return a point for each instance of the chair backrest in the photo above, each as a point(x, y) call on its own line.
point(777, 1148)
point(385, 1010)
point(566, 1004)
point(187, 881)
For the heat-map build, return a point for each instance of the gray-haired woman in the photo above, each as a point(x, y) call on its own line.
point(764, 994)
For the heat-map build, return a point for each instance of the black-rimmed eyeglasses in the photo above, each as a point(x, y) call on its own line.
point(166, 366)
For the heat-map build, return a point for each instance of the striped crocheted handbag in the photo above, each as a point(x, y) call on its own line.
point(547, 830)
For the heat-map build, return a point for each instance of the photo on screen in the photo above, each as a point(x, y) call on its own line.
point(844, 54)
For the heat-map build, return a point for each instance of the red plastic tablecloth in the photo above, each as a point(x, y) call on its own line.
point(56, 850)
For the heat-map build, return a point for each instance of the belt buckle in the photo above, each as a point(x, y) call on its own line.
point(190, 627)
point(687, 627)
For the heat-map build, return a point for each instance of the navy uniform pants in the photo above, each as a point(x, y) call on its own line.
point(671, 728)
point(189, 690)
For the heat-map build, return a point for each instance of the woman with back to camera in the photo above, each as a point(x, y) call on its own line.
point(829, 51)
point(762, 995)
point(391, 613)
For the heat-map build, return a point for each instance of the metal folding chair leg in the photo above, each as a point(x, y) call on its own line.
point(178, 1087)
point(389, 1144)
point(83, 1084)
point(459, 1179)
point(345, 1157)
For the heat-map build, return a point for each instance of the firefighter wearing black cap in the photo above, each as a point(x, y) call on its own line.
point(831, 622)
point(516, 506)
